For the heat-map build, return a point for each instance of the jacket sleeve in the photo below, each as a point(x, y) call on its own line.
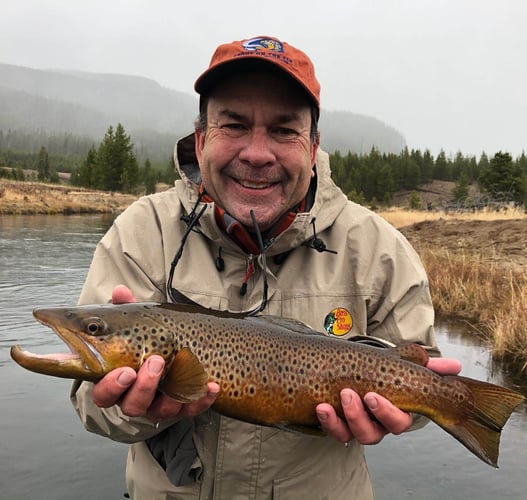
point(117, 260)
point(402, 310)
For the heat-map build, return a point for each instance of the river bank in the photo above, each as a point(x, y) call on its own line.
point(26, 198)
point(477, 268)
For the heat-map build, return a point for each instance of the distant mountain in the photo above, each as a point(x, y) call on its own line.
point(87, 103)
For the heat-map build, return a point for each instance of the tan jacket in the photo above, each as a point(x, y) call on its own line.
point(376, 280)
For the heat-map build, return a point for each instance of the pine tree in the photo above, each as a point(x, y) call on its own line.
point(113, 166)
point(85, 176)
point(43, 165)
point(504, 177)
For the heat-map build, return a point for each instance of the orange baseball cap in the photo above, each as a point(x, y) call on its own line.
point(229, 57)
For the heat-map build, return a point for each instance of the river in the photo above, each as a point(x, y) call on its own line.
point(46, 454)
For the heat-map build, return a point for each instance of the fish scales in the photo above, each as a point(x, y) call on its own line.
point(271, 371)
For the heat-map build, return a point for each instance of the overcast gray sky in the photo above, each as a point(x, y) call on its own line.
point(448, 74)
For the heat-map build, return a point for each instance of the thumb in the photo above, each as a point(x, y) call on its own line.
point(121, 294)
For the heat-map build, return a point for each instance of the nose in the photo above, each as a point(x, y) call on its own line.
point(258, 149)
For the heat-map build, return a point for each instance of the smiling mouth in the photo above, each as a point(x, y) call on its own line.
point(254, 184)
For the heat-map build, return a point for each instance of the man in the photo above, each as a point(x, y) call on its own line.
point(256, 224)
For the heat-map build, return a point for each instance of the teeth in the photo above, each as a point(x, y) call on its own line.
point(254, 185)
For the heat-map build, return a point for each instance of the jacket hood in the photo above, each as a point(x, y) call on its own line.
point(329, 200)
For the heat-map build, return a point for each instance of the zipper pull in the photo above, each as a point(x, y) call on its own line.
point(250, 271)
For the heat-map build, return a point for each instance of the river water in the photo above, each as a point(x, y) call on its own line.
point(46, 454)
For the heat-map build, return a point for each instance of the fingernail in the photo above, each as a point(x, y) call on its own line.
point(126, 378)
point(345, 398)
point(322, 415)
point(155, 365)
point(213, 392)
point(371, 402)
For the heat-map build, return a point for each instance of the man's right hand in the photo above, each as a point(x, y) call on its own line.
point(136, 393)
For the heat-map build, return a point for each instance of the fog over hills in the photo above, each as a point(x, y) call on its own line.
point(86, 104)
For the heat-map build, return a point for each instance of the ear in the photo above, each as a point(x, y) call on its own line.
point(199, 141)
point(314, 149)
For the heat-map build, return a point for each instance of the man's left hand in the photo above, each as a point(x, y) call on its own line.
point(358, 423)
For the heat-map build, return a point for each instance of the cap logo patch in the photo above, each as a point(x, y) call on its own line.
point(263, 43)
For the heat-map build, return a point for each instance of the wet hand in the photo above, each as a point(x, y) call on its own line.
point(137, 395)
point(358, 422)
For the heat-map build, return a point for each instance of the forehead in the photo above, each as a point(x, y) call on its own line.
point(281, 92)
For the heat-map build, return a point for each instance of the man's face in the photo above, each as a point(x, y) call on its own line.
point(256, 152)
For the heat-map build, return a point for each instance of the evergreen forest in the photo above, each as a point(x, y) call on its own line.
point(371, 178)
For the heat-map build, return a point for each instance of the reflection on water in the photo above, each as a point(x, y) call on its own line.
point(429, 464)
point(46, 454)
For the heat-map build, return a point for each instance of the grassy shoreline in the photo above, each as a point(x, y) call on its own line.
point(487, 290)
point(32, 198)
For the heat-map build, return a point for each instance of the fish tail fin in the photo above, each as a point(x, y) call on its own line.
point(484, 414)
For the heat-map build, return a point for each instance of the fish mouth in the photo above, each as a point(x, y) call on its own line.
point(83, 362)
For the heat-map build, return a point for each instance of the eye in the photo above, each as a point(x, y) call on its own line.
point(284, 132)
point(94, 326)
point(233, 125)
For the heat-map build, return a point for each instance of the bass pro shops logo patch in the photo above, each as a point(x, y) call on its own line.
point(338, 322)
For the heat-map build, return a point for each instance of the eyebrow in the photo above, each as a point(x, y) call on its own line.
point(280, 118)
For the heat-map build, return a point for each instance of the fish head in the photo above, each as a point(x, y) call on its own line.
point(101, 338)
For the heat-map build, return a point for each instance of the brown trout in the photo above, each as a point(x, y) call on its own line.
point(271, 371)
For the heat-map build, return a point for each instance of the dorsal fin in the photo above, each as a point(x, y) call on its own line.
point(410, 352)
point(287, 323)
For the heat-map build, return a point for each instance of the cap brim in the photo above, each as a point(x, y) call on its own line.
point(214, 75)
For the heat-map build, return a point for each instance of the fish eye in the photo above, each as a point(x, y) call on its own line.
point(94, 326)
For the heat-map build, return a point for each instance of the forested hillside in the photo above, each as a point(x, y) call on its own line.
point(35, 103)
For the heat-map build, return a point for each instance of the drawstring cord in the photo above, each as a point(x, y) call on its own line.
point(191, 221)
point(261, 248)
point(316, 243)
point(250, 271)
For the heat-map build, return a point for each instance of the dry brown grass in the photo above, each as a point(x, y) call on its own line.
point(492, 298)
point(39, 198)
point(477, 271)
point(400, 218)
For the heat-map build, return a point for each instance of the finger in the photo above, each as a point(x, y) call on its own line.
point(361, 425)
point(109, 390)
point(444, 366)
point(193, 409)
point(136, 401)
point(332, 424)
point(391, 418)
point(121, 294)
point(164, 407)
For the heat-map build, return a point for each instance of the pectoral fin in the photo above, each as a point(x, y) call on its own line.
point(186, 379)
